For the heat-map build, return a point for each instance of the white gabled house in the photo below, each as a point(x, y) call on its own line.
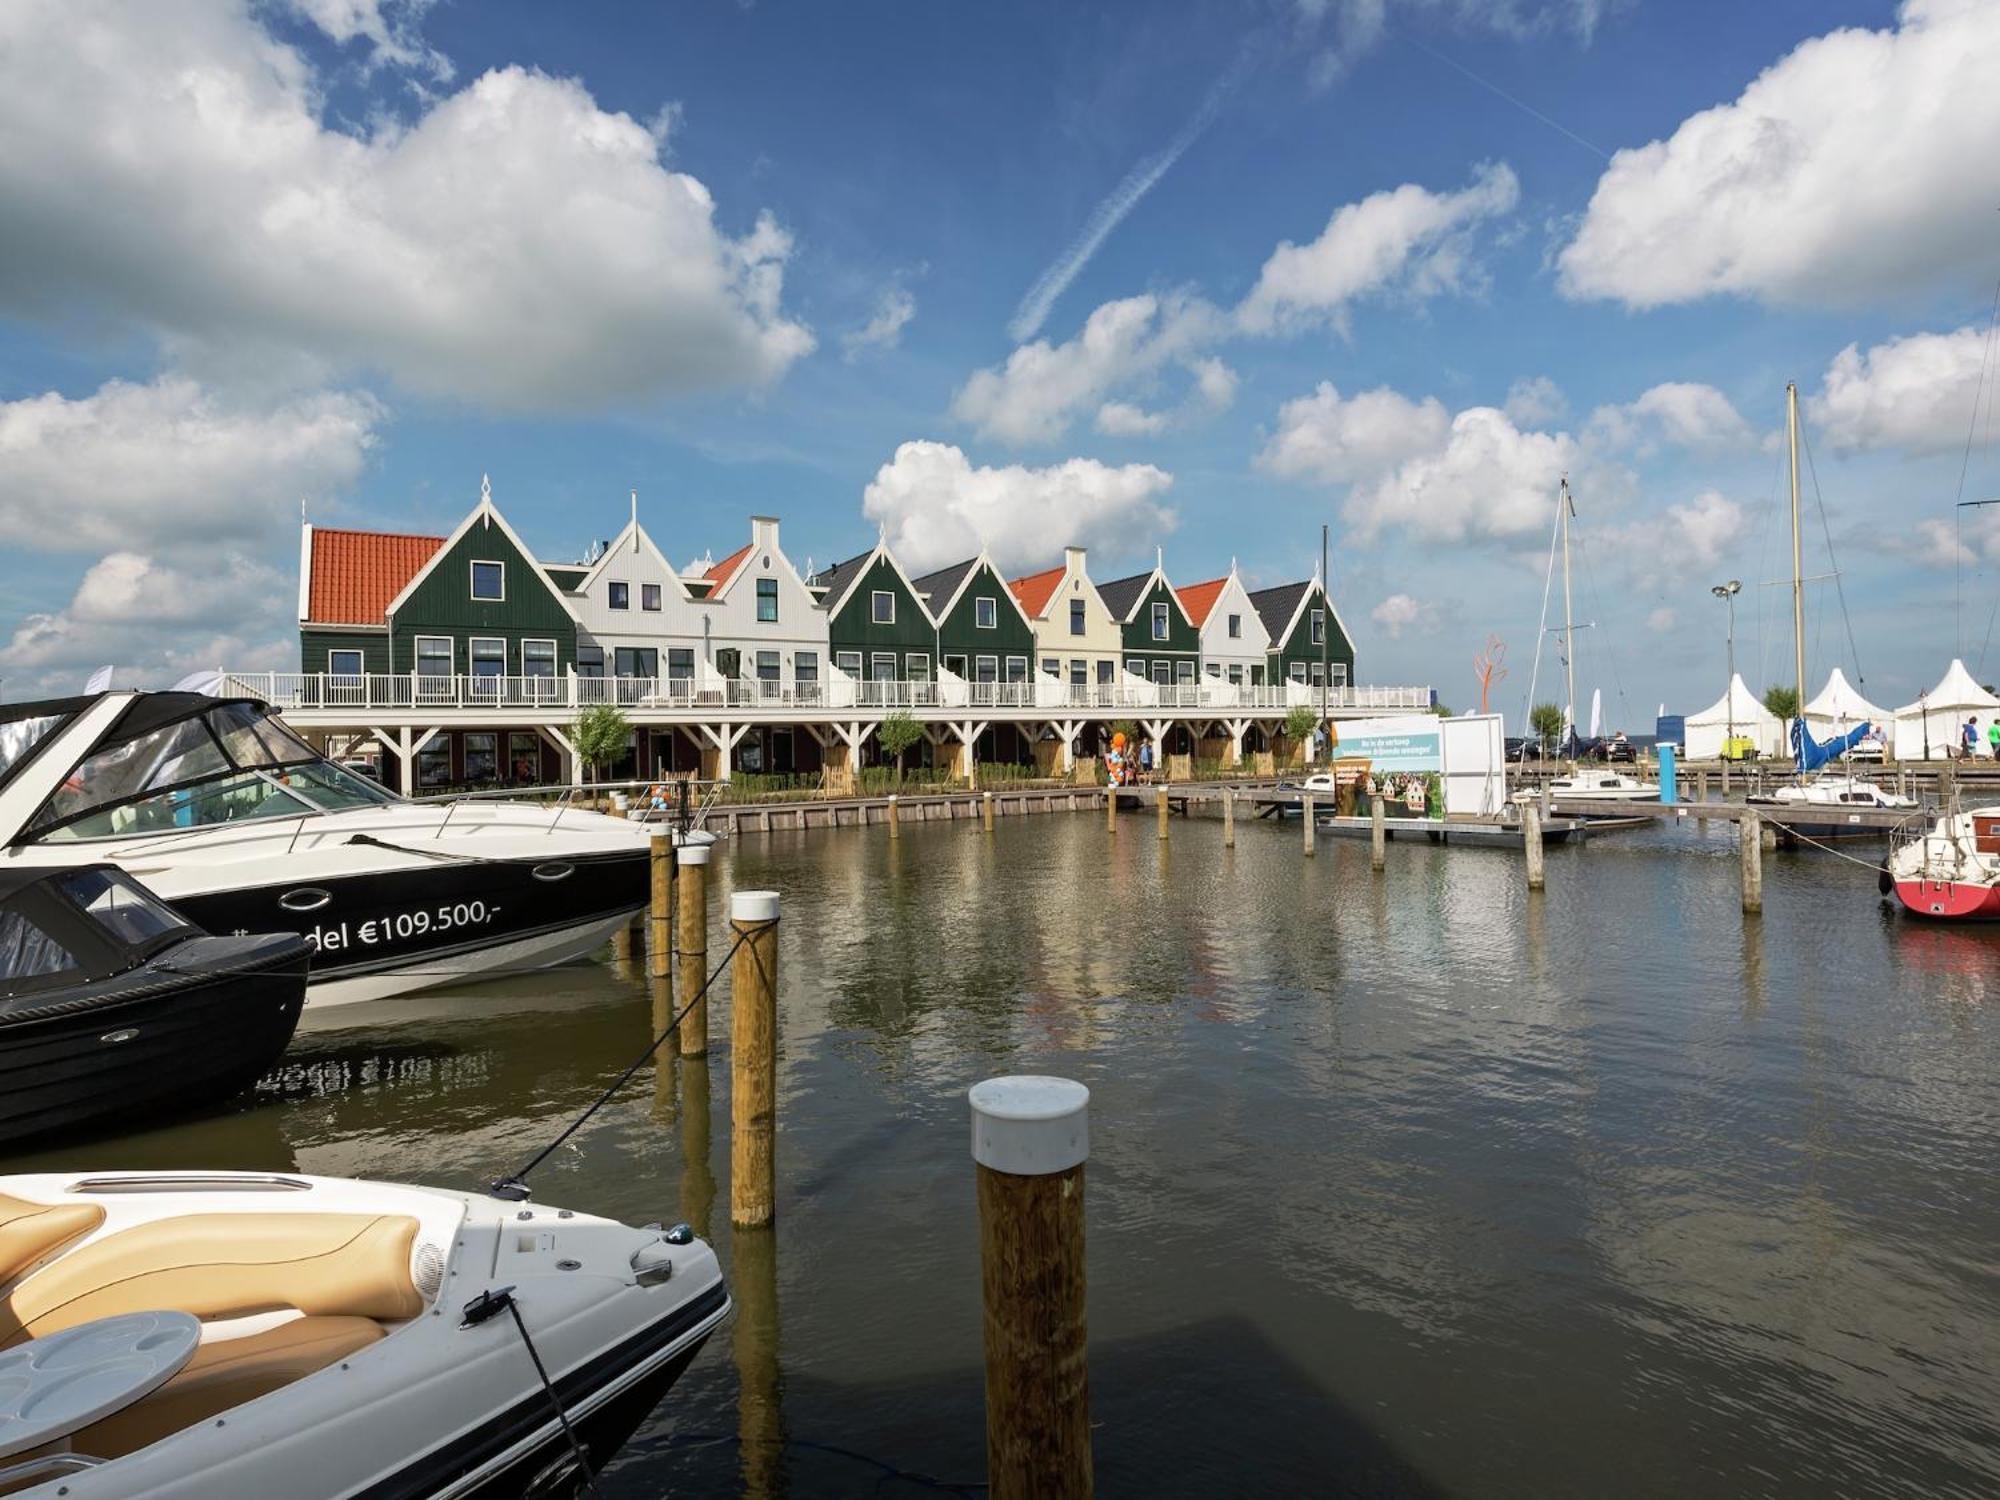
point(761, 625)
point(1235, 645)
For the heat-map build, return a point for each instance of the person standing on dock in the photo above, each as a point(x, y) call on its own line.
point(1146, 761)
point(1993, 737)
point(1969, 738)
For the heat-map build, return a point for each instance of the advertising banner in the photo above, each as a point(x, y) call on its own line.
point(1412, 742)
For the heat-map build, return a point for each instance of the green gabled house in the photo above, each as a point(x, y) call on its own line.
point(878, 629)
point(1309, 641)
point(982, 635)
point(1161, 640)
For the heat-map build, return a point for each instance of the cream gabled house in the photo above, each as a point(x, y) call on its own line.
point(1077, 640)
point(761, 625)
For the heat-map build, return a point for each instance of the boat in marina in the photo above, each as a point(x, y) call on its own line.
point(217, 1336)
point(114, 1007)
point(241, 826)
point(1592, 786)
point(1951, 871)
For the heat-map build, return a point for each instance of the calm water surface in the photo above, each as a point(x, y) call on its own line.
point(1409, 1185)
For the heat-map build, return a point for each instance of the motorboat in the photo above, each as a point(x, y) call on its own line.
point(1817, 807)
point(243, 827)
point(1951, 871)
point(114, 1007)
point(239, 1336)
point(1592, 786)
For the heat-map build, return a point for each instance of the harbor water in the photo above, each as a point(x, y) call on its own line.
point(1405, 1184)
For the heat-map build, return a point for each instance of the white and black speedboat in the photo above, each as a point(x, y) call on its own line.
point(305, 1336)
point(1818, 807)
point(1593, 786)
point(114, 1007)
point(234, 820)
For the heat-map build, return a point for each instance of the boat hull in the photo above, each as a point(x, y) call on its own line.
point(156, 1042)
point(1949, 900)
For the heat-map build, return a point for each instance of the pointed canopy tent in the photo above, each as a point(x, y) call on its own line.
point(1840, 707)
point(1931, 726)
point(1739, 708)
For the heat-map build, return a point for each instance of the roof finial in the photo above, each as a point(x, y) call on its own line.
point(485, 489)
point(1160, 559)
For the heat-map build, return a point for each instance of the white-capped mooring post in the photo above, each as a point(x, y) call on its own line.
point(753, 1037)
point(1030, 1136)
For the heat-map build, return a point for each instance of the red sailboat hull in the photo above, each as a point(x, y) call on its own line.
point(1950, 900)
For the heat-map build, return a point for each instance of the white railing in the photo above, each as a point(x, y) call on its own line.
point(715, 694)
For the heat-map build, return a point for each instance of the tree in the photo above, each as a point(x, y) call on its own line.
point(600, 735)
point(1442, 710)
point(1127, 727)
point(1547, 722)
point(1782, 702)
point(896, 734)
point(1300, 722)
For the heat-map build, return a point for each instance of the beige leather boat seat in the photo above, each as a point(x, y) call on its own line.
point(226, 1265)
point(227, 1374)
point(29, 1231)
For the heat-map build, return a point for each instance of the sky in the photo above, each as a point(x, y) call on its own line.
point(1200, 278)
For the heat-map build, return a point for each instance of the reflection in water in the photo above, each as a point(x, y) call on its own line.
point(697, 1176)
point(667, 1055)
point(760, 1409)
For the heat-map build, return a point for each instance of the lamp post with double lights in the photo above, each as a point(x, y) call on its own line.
point(1727, 593)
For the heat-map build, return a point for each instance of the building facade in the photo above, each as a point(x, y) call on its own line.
point(878, 630)
point(1078, 641)
point(983, 638)
point(1309, 641)
point(1235, 647)
point(1161, 643)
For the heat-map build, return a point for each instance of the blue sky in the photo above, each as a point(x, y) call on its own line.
point(767, 258)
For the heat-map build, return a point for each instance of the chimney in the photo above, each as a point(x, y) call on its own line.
point(1073, 559)
point(764, 532)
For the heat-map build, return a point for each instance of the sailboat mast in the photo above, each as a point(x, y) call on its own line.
point(1798, 571)
point(1569, 629)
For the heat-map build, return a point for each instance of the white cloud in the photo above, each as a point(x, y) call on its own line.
point(1401, 612)
point(1214, 383)
point(1534, 400)
point(1358, 26)
point(1700, 533)
point(1859, 165)
point(1487, 480)
point(1683, 413)
point(1122, 419)
point(884, 330)
point(937, 508)
point(516, 245)
point(1408, 240)
point(1661, 620)
point(1338, 440)
point(1968, 540)
point(389, 29)
point(1915, 393)
point(169, 463)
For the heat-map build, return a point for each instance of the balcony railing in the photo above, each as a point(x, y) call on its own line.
point(568, 693)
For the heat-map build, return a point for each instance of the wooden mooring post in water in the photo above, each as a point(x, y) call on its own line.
point(753, 1038)
point(895, 828)
point(1531, 843)
point(1111, 807)
point(1750, 846)
point(660, 918)
point(1378, 837)
point(693, 921)
point(986, 811)
point(1229, 817)
point(1160, 804)
point(1310, 818)
point(1030, 1137)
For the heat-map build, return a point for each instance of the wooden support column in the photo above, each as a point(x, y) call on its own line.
point(1030, 1138)
point(1309, 816)
point(1750, 846)
point(1531, 844)
point(753, 1002)
point(692, 914)
point(1378, 837)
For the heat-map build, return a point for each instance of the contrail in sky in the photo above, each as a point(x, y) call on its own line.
point(1119, 202)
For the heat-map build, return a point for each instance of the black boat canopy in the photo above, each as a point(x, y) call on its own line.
point(66, 927)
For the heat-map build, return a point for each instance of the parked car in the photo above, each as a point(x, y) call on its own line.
point(1618, 748)
point(1519, 748)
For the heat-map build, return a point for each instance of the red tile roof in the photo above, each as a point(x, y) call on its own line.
point(1035, 590)
point(1199, 598)
point(355, 574)
point(723, 571)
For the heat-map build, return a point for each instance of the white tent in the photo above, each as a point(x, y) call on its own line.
point(1751, 720)
point(1839, 708)
point(1931, 725)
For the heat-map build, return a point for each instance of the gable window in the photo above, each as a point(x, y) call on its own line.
point(882, 607)
point(1076, 617)
point(1319, 627)
point(986, 613)
point(1159, 622)
point(649, 596)
point(488, 655)
point(767, 600)
point(489, 581)
point(620, 596)
point(538, 658)
point(434, 656)
point(343, 663)
point(1236, 627)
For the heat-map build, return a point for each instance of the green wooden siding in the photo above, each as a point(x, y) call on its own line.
point(1183, 640)
point(442, 605)
point(315, 645)
point(1299, 645)
point(854, 628)
point(958, 634)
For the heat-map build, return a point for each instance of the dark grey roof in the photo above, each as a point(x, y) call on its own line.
point(1275, 607)
point(565, 578)
point(1122, 593)
point(836, 577)
point(937, 588)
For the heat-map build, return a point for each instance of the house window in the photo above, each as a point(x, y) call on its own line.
point(1236, 676)
point(985, 613)
point(805, 666)
point(1079, 672)
point(434, 763)
point(882, 607)
point(1136, 665)
point(489, 581)
point(1105, 673)
point(1214, 668)
point(343, 663)
point(1298, 671)
point(848, 662)
point(917, 667)
point(1017, 669)
point(1076, 617)
point(986, 668)
point(620, 596)
point(955, 665)
point(767, 600)
point(882, 666)
point(1052, 667)
point(538, 658)
point(434, 656)
point(1256, 677)
point(1236, 627)
point(1159, 622)
point(680, 663)
point(1319, 627)
point(1184, 671)
point(1163, 671)
point(636, 661)
point(482, 756)
point(1339, 677)
point(1318, 674)
point(768, 666)
point(649, 596)
point(590, 661)
point(487, 655)
point(729, 662)
point(524, 757)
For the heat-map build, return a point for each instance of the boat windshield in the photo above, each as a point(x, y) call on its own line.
point(20, 736)
point(120, 906)
point(230, 763)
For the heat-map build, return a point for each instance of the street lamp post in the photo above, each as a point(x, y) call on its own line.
point(1727, 593)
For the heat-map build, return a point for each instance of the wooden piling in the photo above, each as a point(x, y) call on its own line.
point(1111, 807)
point(986, 810)
point(1378, 837)
point(1229, 817)
point(753, 1003)
point(1750, 845)
point(693, 922)
point(1030, 1138)
point(895, 827)
point(660, 922)
point(1531, 844)
point(1310, 818)
point(1160, 803)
